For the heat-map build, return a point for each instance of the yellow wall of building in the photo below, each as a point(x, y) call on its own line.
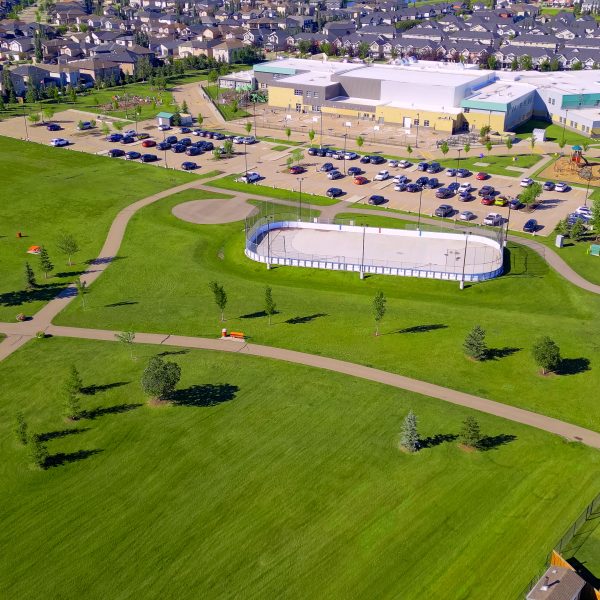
point(343, 112)
point(479, 120)
point(437, 120)
point(282, 97)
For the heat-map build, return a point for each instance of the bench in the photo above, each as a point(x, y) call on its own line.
point(237, 335)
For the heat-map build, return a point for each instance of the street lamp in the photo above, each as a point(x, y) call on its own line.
point(565, 123)
point(508, 222)
point(321, 144)
point(457, 164)
point(462, 279)
point(417, 136)
point(246, 156)
point(254, 107)
point(345, 139)
point(25, 121)
point(419, 217)
point(269, 241)
point(362, 260)
point(300, 180)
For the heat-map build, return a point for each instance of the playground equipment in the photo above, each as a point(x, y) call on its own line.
point(577, 164)
point(577, 156)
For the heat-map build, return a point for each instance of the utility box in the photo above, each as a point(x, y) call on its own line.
point(559, 241)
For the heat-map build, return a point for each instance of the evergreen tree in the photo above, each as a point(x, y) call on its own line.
point(30, 281)
point(45, 263)
point(39, 54)
point(184, 107)
point(595, 220)
point(578, 231)
point(474, 344)
point(72, 394)
point(38, 453)
point(470, 434)
point(20, 428)
point(546, 354)
point(270, 306)
point(409, 436)
point(220, 297)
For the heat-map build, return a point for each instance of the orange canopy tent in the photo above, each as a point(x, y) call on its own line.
point(34, 250)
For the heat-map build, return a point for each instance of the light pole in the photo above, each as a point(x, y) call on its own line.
point(246, 156)
point(321, 144)
point(457, 164)
point(268, 241)
point(419, 217)
point(565, 123)
point(362, 259)
point(25, 121)
point(345, 139)
point(254, 105)
point(462, 279)
point(507, 223)
point(417, 136)
point(300, 180)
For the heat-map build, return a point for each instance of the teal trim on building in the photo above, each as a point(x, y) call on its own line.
point(269, 68)
point(580, 101)
point(483, 105)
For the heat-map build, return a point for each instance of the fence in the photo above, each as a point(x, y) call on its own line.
point(267, 242)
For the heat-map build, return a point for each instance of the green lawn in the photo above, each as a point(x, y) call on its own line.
point(554, 133)
point(49, 190)
point(225, 109)
point(228, 183)
point(280, 148)
point(330, 313)
point(576, 256)
point(496, 164)
point(267, 480)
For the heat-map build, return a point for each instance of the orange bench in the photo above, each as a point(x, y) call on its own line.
point(236, 334)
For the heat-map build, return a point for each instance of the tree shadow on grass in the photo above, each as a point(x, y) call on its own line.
point(437, 439)
point(173, 352)
point(498, 353)
point(100, 411)
point(421, 328)
point(124, 303)
point(254, 315)
point(305, 319)
point(43, 293)
point(103, 260)
point(61, 458)
point(495, 441)
point(205, 395)
point(70, 273)
point(53, 435)
point(573, 366)
point(93, 389)
point(584, 572)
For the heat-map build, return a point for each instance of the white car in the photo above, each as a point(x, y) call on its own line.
point(493, 219)
point(250, 139)
point(57, 142)
point(130, 133)
point(164, 127)
point(238, 139)
point(561, 186)
point(393, 163)
point(404, 163)
point(464, 187)
point(382, 176)
point(526, 182)
point(467, 215)
point(249, 177)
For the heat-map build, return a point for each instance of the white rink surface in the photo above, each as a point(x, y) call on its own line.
point(380, 249)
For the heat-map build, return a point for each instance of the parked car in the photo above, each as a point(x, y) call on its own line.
point(185, 142)
point(451, 172)
point(401, 179)
point(171, 139)
point(403, 164)
point(584, 210)
point(526, 182)
point(130, 132)
point(334, 192)
point(531, 226)
point(127, 139)
point(481, 176)
point(443, 193)
point(193, 151)
point(142, 136)
point(464, 187)
point(413, 187)
point(467, 215)
point(515, 203)
point(163, 146)
point(494, 219)
point(376, 200)
point(335, 174)
point(164, 127)
point(463, 172)
point(572, 218)
point(393, 163)
point(453, 187)
point(57, 142)
point(54, 127)
point(350, 156)
point(313, 151)
point(177, 148)
point(400, 187)
point(444, 210)
point(189, 165)
point(360, 180)
point(185, 130)
point(114, 137)
point(148, 158)
point(297, 169)
point(250, 177)
point(198, 132)
point(561, 186)
point(238, 139)
point(465, 196)
point(487, 200)
point(365, 159)
point(422, 181)
point(500, 201)
point(132, 155)
point(432, 183)
point(216, 135)
point(422, 166)
point(83, 125)
point(353, 171)
point(376, 160)
point(486, 190)
point(382, 175)
point(148, 144)
point(325, 167)
point(548, 186)
point(116, 152)
point(205, 146)
point(434, 167)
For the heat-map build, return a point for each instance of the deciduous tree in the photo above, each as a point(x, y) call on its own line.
point(379, 308)
point(67, 245)
point(220, 297)
point(160, 378)
point(20, 428)
point(546, 354)
point(30, 281)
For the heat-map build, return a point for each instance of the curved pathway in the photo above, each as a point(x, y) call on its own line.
point(19, 333)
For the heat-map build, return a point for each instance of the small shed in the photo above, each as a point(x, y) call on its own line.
point(539, 135)
point(558, 583)
point(165, 118)
point(186, 119)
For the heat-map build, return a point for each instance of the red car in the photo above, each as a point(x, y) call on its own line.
point(148, 143)
point(487, 200)
point(360, 180)
point(297, 170)
point(481, 176)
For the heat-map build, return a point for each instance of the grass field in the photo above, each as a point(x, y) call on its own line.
point(48, 190)
point(496, 164)
point(554, 133)
point(226, 110)
point(228, 183)
point(267, 480)
point(330, 313)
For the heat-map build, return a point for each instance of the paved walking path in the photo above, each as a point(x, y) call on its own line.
point(19, 333)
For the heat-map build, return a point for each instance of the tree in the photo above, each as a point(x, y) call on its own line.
point(184, 107)
point(530, 195)
point(72, 394)
point(234, 105)
point(578, 231)
point(212, 76)
point(562, 142)
point(409, 150)
point(200, 120)
point(38, 452)
point(228, 147)
point(409, 435)
point(492, 62)
point(288, 132)
point(363, 50)
point(220, 297)
point(577, 65)
point(30, 281)
point(311, 135)
point(216, 153)
point(297, 154)
point(46, 265)
point(525, 63)
point(488, 146)
point(67, 245)
point(34, 118)
point(595, 220)
point(82, 289)
point(360, 140)
point(532, 141)
point(305, 46)
point(470, 434)
point(444, 148)
point(562, 227)
point(270, 306)
point(20, 428)
point(509, 143)
point(474, 344)
point(484, 131)
point(105, 129)
point(160, 378)
point(379, 309)
point(126, 338)
point(467, 148)
point(546, 354)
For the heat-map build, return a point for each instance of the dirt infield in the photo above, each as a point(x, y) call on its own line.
point(213, 212)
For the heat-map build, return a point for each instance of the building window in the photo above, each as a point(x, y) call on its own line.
point(467, 110)
point(315, 94)
point(416, 122)
point(263, 86)
point(573, 124)
point(425, 123)
point(298, 107)
point(297, 92)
